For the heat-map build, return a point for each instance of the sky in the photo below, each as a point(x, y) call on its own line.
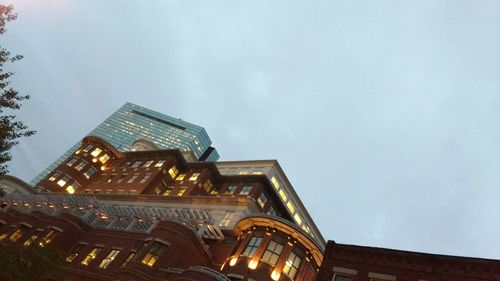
point(383, 114)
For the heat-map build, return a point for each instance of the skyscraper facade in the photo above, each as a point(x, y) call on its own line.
point(132, 122)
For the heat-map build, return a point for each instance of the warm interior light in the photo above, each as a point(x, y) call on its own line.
point(94, 160)
point(253, 264)
point(233, 261)
point(275, 275)
point(77, 152)
point(103, 168)
point(70, 189)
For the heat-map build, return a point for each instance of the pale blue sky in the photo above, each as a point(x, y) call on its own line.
point(384, 114)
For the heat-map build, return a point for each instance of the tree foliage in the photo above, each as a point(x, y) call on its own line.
point(10, 100)
point(30, 263)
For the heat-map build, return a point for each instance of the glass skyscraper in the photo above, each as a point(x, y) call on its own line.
point(132, 122)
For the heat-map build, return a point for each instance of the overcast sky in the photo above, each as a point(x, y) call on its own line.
point(385, 115)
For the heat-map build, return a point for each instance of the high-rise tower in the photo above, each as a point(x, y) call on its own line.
point(132, 122)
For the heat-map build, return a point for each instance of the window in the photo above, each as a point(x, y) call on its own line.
point(62, 182)
point(47, 239)
point(148, 163)
point(341, 278)
point(72, 187)
point(208, 186)
point(75, 253)
point(180, 177)
point(80, 166)
point(129, 258)
point(282, 195)
point(194, 176)
point(16, 235)
point(292, 265)
point(159, 189)
point(173, 172)
point(91, 256)
point(132, 179)
point(54, 176)
point(30, 240)
point(136, 164)
point(153, 254)
point(275, 183)
point(226, 219)
point(145, 178)
point(71, 162)
point(290, 207)
point(262, 200)
point(297, 219)
point(231, 189)
point(88, 148)
point(109, 259)
point(252, 246)
point(181, 191)
point(103, 159)
point(272, 253)
point(160, 164)
point(96, 152)
point(246, 190)
point(271, 211)
point(89, 173)
point(121, 178)
point(168, 191)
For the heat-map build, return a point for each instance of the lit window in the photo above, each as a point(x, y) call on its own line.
point(226, 219)
point(231, 189)
point(96, 152)
point(121, 178)
point(160, 164)
point(275, 183)
point(341, 278)
point(80, 166)
point(262, 200)
point(283, 195)
point(252, 246)
point(72, 162)
point(181, 191)
point(243, 172)
point(180, 177)
point(145, 178)
point(136, 164)
point(168, 191)
point(47, 239)
point(272, 253)
point(245, 190)
point(194, 176)
point(109, 259)
point(54, 176)
point(292, 265)
point(75, 253)
point(91, 256)
point(129, 258)
point(89, 173)
point(2, 237)
point(132, 179)
point(72, 187)
point(297, 219)
point(16, 235)
point(208, 186)
point(153, 254)
point(159, 189)
point(290, 207)
point(30, 240)
point(148, 163)
point(103, 159)
point(88, 148)
point(62, 182)
point(173, 172)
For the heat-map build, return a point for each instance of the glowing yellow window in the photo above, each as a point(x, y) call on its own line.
point(297, 219)
point(96, 152)
point(173, 172)
point(194, 176)
point(208, 186)
point(47, 239)
point(159, 163)
point(153, 254)
point(282, 195)
point(72, 187)
point(292, 265)
point(75, 253)
point(16, 235)
point(290, 207)
point(30, 240)
point(91, 256)
point(2, 237)
point(180, 177)
point(62, 182)
point(103, 159)
point(109, 259)
point(275, 183)
point(182, 191)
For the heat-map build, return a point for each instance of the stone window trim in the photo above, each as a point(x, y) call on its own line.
point(379, 276)
point(344, 271)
